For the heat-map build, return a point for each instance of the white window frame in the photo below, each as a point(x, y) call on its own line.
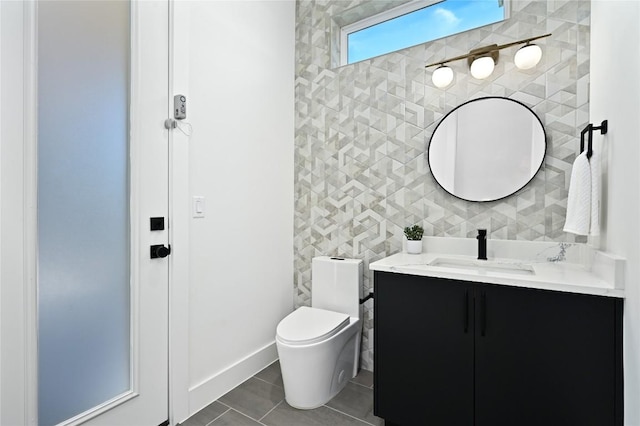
point(387, 15)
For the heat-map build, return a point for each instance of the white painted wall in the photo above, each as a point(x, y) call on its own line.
point(234, 60)
point(615, 95)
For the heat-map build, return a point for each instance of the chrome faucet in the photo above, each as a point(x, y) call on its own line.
point(482, 244)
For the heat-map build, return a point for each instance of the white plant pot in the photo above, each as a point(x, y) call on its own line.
point(414, 247)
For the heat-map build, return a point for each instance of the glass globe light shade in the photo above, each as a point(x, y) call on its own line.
point(482, 67)
point(442, 76)
point(528, 56)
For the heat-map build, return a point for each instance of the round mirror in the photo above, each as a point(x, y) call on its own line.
point(487, 149)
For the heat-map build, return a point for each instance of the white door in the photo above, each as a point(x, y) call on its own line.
point(102, 176)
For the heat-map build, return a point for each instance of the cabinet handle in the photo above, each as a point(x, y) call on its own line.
point(483, 314)
point(466, 311)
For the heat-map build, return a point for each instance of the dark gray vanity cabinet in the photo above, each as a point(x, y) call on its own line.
point(453, 353)
point(423, 355)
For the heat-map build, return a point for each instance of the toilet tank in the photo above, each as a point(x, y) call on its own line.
point(336, 284)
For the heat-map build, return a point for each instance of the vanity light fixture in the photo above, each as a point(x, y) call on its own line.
point(482, 61)
point(482, 67)
point(442, 76)
point(528, 56)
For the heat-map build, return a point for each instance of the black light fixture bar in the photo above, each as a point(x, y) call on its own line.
point(483, 51)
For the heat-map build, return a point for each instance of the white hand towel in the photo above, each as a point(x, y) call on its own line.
point(578, 219)
point(594, 164)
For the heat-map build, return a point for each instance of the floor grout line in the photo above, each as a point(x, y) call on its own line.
point(237, 410)
point(349, 415)
point(226, 405)
point(274, 407)
point(225, 412)
point(273, 384)
point(249, 417)
point(360, 384)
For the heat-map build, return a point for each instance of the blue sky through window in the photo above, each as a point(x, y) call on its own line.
point(430, 23)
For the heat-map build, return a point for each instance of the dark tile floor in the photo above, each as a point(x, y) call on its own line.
point(260, 401)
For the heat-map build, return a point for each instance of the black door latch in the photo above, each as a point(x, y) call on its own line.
point(160, 250)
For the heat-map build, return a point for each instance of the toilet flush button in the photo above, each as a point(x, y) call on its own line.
point(198, 206)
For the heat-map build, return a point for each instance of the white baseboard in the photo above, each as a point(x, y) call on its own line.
point(207, 391)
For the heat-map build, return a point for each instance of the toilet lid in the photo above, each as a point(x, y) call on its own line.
point(310, 325)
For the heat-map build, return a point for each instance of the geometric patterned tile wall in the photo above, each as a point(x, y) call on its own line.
point(361, 132)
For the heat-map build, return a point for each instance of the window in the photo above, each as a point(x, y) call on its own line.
point(413, 23)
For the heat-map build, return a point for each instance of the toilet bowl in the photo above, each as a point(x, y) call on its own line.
point(319, 346)
point(319, 353)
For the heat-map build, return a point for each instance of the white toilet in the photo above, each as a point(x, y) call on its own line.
point(319, 347)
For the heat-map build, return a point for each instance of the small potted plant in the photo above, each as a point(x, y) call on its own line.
point(414, 238)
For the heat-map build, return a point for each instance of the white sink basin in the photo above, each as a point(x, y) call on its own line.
point(493, 266)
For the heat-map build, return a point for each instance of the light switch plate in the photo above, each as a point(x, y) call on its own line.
point(198, 206)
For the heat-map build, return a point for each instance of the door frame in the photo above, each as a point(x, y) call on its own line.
point(179, 220)
point(18, 223)
point(18, 295)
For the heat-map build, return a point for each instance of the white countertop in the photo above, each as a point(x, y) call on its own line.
point(587, 272)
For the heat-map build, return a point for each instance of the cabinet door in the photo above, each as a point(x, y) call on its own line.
point(544, 358)
point(423, 358)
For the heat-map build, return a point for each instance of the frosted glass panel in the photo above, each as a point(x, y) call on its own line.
point(83, 206)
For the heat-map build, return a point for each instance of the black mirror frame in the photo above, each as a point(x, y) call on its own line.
point(544, 155)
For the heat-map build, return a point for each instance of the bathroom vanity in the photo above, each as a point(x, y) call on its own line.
point(506, 342)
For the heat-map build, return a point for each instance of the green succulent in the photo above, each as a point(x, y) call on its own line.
point(414, 233)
